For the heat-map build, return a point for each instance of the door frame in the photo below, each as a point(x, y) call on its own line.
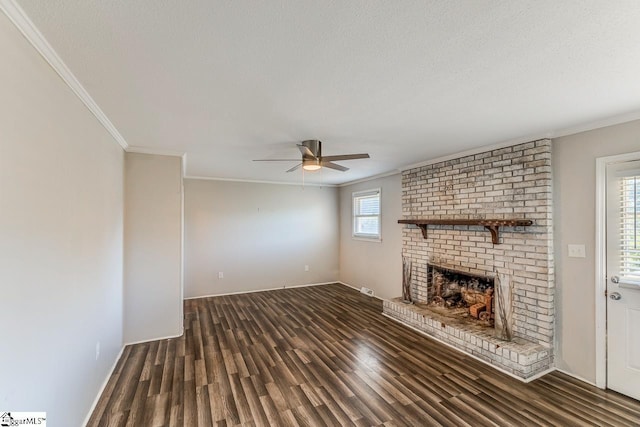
point(601, 261)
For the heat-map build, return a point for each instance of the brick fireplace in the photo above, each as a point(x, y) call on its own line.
point(507, 183)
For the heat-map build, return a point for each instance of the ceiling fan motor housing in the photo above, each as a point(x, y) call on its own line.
point(314, 145)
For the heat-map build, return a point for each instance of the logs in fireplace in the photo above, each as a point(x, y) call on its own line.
point(467, 294)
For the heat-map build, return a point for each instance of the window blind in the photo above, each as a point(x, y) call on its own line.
point(630, 229)
point(366, 214)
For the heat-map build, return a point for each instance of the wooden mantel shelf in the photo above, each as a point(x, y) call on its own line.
point(493, 225)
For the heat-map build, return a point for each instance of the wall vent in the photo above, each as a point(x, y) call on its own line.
point(366, 291)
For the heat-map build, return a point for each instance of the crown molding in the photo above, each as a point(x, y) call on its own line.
point(155, 151)
point(596, 124)
point(473, 151)
point(255, 181)
point(551, 134)
point(371, 178)
point(20, 19)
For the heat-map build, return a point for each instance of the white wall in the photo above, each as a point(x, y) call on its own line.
point(574, 209)
point(61, 204)
point(259, 235)
point(152, 247)
point(376, 265)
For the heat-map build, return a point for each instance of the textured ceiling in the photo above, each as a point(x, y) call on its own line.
point(406, 81)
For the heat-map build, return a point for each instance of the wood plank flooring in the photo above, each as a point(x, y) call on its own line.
point(325, 355)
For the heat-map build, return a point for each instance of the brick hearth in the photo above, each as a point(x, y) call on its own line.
point(520, 357)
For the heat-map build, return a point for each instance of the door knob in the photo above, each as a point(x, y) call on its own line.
point(615, 279)
point(615, 296)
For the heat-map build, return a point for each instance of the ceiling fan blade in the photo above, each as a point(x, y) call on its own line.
point(335, 166)
point(306, 151)
point(276, 160)
point(346, 157)
point(294, 168)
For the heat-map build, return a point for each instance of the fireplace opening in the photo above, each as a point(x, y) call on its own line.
point(460, 294)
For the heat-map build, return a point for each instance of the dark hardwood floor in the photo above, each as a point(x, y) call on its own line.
point(325, 355)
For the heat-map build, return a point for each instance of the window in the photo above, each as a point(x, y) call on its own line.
point(366, 214)
point(630, 229)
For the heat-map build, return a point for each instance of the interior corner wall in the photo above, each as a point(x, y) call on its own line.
point(61, 231)
point(376, 265)
point(259, 236)
point(574, 210)
point(152, 247)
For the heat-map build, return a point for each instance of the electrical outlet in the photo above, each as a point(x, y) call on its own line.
point(306, 268)
point(97, 350)
point(577, 251)
point(220, 275)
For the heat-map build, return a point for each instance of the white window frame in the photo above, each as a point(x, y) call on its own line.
point(366, 237)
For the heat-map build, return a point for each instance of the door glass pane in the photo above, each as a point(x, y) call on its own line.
point(630, 229)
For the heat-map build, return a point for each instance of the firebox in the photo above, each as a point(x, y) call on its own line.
point(463, 294)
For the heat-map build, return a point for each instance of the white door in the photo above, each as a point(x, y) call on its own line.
point(623, 273)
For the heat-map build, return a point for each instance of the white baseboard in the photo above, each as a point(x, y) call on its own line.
point(528, 380)
point(348, 285)
point(309, 284)
point(540, 375)
point(579, 378)
point(264, 290)
point(155, 339)
point(104, 385)
point(358, 289)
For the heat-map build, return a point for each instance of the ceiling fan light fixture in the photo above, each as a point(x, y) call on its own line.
point(311, 165)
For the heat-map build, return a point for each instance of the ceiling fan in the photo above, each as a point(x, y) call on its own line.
point(312, 158)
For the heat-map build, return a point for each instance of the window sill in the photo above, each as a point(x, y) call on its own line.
point(367, 239)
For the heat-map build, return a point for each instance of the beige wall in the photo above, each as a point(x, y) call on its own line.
point(61, 204)
point(376, 265)
point(574, 209)
point(152, 247)
point(260, 236)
